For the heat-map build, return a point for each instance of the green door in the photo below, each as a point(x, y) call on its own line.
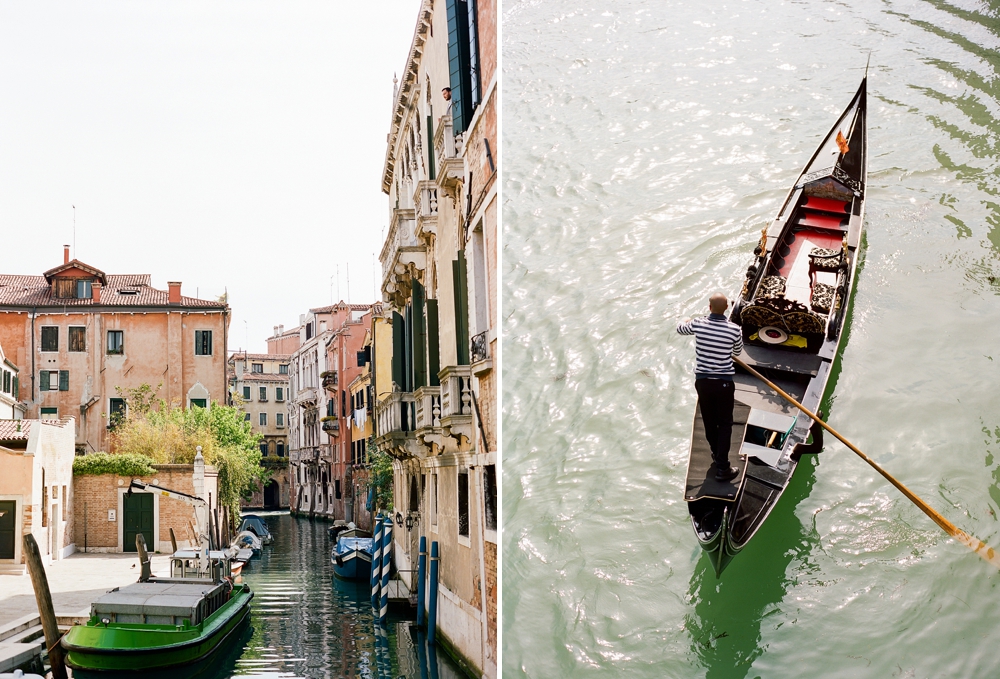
point(139, 519)
point(7, 528)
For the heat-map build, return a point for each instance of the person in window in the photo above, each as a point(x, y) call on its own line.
point(716, 341)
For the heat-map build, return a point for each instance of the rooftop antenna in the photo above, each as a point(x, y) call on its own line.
point(338, 282)
point(348, 283)
point(74, 232)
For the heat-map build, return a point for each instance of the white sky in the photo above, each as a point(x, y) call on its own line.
point(228, 145)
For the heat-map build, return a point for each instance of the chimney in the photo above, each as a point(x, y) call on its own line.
point(275, 331)
point(175, 292)
point(95, 289)
point(65, 254)
point(281, 329)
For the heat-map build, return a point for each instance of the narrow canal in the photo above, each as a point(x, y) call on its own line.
point(308, 623)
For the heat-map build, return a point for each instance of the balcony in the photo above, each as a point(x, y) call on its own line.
point(396, 419)
point(306, 397)
point(428, 416)
point(425, 200)
point(448, 150)
point(456, 402)
point(403, 257)
point(329, 380)
point(331, 427)
point(480, 352)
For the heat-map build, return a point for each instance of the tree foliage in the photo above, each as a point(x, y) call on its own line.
point(126, 464)
point(380, 476)
point(169, 434)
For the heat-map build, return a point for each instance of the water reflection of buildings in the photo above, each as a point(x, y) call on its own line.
point(725, 626)
point(308, 623)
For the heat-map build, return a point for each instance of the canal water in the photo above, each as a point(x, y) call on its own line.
point(307, 623)
point(645, 146)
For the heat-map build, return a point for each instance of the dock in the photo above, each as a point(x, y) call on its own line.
point(22, 641)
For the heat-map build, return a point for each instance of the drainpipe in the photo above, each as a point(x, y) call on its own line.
point(34, 310)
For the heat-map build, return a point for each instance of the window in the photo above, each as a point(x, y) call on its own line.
point(51, 412)
point(53, 380)
point(257, 368)
point(6, 381)
point(77, 339)
point(279, 394)
point(247, 417)
point(331, 408)
point(263, 393)
point(281, 448)
point(263, 419)
point(116, 412)
point(263, 448)
point(279, 419)
point(50, 338)
point(202, 342)
point(336, 488)
point(490, 490)
point(463, 503)
point(84, 289)
point(116, 342)
point(246, 393)
point(309, 331)
point(199, 403)
point(283, 369)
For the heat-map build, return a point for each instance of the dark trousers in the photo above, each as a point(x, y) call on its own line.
point(716, 398)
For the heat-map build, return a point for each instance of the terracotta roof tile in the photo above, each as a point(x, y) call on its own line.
point(9, 430)
point(263, 377)
point(34, 291)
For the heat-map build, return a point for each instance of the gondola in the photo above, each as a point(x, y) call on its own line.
point(791, 310)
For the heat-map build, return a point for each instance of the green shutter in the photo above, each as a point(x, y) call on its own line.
point(43, 381)
point(460, 282)
point(459, 63)
point(433, 344)
point(408, 347)
point(398, 349)
point(430, 148)
point(208, 342)
point(64, 380)
point(419, 338)
point(14, 390)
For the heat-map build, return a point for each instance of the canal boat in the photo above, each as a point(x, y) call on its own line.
point(162, 623)
point(791, 310)
point(256, 525)
point(249, 541)
point(352, 555)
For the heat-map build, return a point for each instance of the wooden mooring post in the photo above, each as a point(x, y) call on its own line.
point(40, 583)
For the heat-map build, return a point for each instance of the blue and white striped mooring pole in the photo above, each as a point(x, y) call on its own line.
point(421, 575)
point(376, 561)
point(383, 615)
point(432, 602)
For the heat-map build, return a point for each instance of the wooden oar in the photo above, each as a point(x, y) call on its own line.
point(978, 546)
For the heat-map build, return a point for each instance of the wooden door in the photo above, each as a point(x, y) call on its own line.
point(138, 519)
point(8, 528)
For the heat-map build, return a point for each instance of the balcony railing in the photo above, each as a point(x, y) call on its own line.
point(449, 154)
point(425, 200)
point(403, 254)
point(456, 401)
point(331, 427)
point(396, 413)
point(480, 347)
point(330, 381)
point(428, 401)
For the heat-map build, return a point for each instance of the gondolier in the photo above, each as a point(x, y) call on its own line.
point(716, 341)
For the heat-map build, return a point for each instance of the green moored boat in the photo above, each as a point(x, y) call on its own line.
point(156, 625)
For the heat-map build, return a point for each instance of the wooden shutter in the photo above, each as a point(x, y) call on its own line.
point(430, 148)
point(460, 283)
point(15, 389)
point(419, 338)
point(64, 380)
point(43, 381)
point(433, 344)
point(398, 349)
point(459, 63)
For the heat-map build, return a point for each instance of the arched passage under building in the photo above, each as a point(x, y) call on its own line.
point(272, 495)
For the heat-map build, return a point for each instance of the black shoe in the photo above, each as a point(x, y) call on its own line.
point(724, 475)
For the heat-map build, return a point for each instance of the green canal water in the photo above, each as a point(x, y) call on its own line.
point(645, 146)
point(307, 623)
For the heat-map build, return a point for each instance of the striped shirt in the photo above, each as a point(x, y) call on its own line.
point(716, 341)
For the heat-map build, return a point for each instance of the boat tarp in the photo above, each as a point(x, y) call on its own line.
point(347, 545)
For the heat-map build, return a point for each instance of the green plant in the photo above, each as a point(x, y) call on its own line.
point(380, 476)
point(327, 418)
point(124, 464)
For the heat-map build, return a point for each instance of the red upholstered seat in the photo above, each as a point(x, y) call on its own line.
point(823, 221)
point(826, 205)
